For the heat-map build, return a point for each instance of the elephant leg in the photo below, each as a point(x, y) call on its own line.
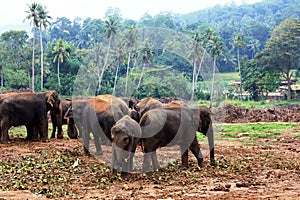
point(44, 129)
point(155, 164)
point(29, 129)
point(146, 162)
point(86, 142)
point(184, 157)
point(195, 148)
point(54, 125)
point(32, 133)
point(150, 147)
point(60, 133)
point(4, 132)
point(98, 145)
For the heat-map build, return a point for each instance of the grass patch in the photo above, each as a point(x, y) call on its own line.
point(251, 133)
point(200, 136)
point(20, 131)
point(262, 135)
point(272, 129)
point(229, 139)
point(260, 104)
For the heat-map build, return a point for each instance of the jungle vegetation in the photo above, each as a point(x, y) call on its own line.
point(161, 55)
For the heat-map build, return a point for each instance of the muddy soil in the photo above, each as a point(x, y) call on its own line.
point(34, 170)
point(237, 114)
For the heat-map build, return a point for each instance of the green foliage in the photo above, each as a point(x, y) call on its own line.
point(15, 78)
point(255, 22)
point(282, 51)
point(162, 82)
point(257, 81)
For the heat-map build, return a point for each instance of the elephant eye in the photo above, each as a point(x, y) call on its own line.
point(126, 140)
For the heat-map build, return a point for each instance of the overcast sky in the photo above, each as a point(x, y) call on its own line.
point(13, 11)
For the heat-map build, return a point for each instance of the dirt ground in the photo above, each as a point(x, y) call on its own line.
point(35, 170)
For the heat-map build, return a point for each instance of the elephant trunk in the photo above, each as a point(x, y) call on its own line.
point(211, 144)
point(72, 130)
point(60, 133)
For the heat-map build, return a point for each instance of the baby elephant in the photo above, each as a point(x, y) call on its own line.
point(125, 137)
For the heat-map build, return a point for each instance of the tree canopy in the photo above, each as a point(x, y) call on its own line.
point(113, 50)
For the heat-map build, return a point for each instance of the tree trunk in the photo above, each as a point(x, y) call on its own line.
point(58, 77)
point(239, 66)
point(140, 80)
point(200, 66)
point(116, 76)
point(104, 66)
point(127, 74)
point(42, 59)
point(213, 82)
point(32, 66)
point(193, 81)
point(289, 87)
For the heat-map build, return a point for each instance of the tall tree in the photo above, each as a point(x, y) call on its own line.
point(130, 44)
point(120, 53)
point(196, 55)
point(33, 17)
point(60, 52)
point(238, 43)
point(146, 55)
point(215, 48)
point(282, 50)
point(43, 25)
point(110, 30)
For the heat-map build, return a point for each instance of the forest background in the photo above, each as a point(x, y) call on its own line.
point(259, 41)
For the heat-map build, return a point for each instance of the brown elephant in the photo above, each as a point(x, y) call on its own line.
point(175, 126)
point(59, 119)
point(29, 109)
point(125, 134)
point(97, 115)
point(146, 104)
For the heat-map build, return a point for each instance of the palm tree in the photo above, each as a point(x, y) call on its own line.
point(196, 57)
point(119, 55)
point(130, 44)
point(147, 55)
point(254, 46)
point(215, 46)
point(43, 24)
point(60, 54)
point(238, 42)
point(110, 29)
point(33, 17)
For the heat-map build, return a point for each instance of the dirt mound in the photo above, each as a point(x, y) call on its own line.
point(238, 114)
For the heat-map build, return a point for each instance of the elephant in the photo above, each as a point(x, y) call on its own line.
point(175, 126)
point(29, 109)
point(146, 104)
point(125, 135)
point(59, 119)
point(97, 115)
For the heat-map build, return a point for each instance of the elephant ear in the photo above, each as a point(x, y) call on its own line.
point(52, 97)
point(49, 101)
point(197, 121)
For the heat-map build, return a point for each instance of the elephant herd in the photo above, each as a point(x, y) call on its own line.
point(120, 122)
